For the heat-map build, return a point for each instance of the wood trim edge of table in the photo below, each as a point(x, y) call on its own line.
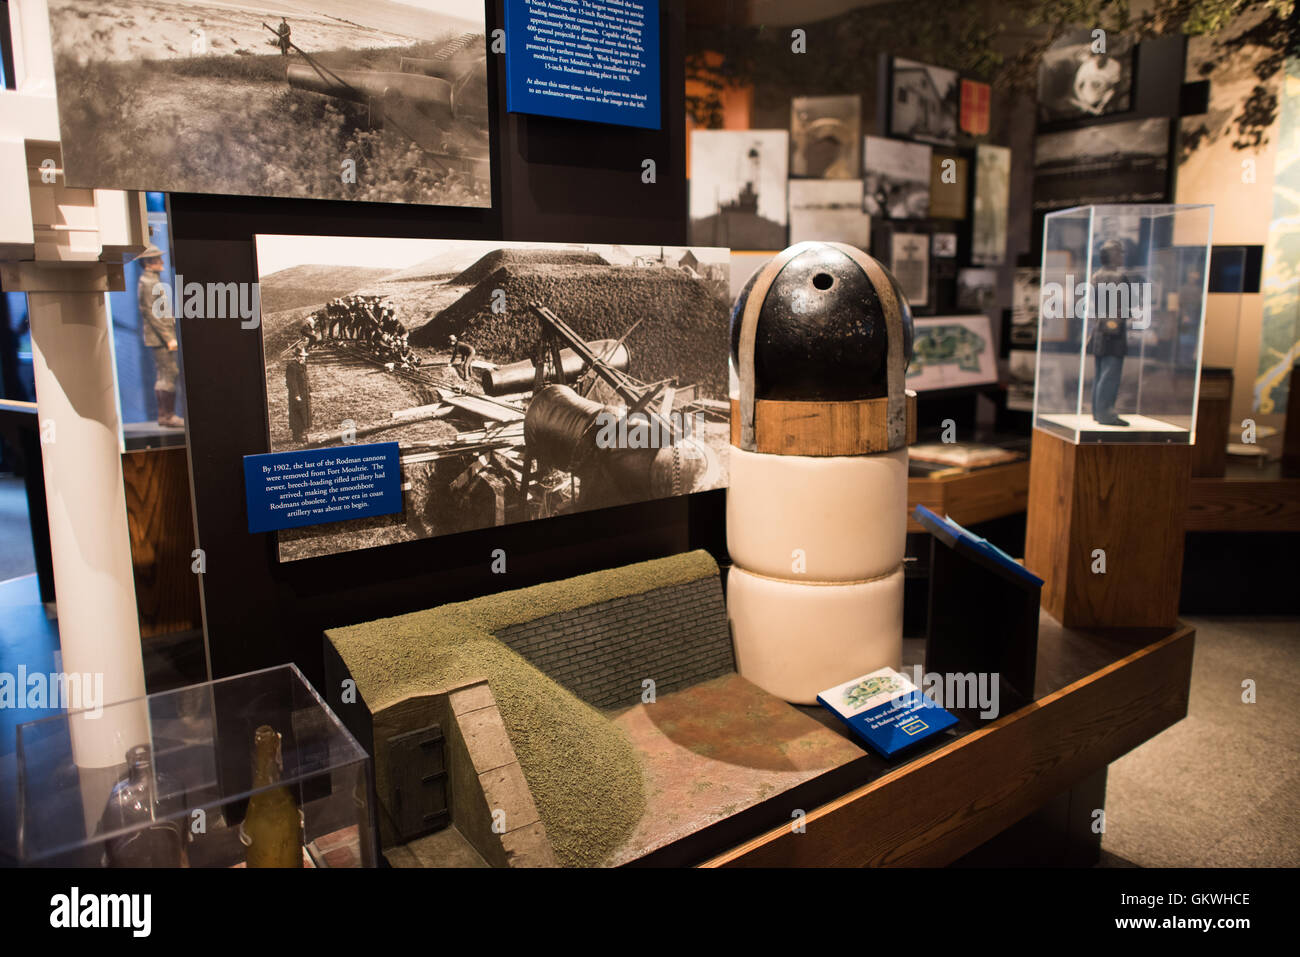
point(1003, 771)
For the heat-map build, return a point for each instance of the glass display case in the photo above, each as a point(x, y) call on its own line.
point(249, 771)
point(1122, 315)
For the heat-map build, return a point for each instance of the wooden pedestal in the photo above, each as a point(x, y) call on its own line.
point(1213, 416)
point(1127, 500)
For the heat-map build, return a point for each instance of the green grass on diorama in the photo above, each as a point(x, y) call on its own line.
point(580, 767)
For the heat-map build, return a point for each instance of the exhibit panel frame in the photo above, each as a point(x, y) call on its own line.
point(1122, 282)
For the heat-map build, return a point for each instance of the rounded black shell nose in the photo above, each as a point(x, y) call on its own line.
point(822, 332)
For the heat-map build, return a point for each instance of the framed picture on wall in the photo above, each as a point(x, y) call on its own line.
point(738, 188)
point(1020, 379)
point(1026, 301)
point(368, 339)
point(944, 246)
point(949, 176)
point(1085, 74)
point(198, 97)
point(924, 102)
point(909, 261)
point(992, 195)
point(896, 178)
point(1110, 163)
point(975, 98)
point(828, 210)
point(977, 289)
point(951, 351)
point(825, 137)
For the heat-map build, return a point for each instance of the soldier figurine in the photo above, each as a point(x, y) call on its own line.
point(1109, 337)
point(158, 328)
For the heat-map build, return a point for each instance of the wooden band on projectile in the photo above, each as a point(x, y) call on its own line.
point(748, 335)
point(896, 421)
point(857, 427)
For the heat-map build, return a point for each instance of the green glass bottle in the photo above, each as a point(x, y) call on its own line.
point(273, 825)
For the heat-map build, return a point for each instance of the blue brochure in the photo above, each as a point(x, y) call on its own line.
point(886, 711)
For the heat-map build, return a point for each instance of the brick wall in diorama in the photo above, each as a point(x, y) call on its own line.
point(676, 636)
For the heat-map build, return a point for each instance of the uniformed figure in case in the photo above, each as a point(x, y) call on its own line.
point(1109, 343)
point(158, 329)
point(817, 502)
point(1121, 319)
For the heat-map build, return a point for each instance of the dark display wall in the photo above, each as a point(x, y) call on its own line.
point(553, 180)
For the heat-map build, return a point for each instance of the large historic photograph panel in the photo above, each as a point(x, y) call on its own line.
point(521, 380)
point(382, 101)
point(1125, 162)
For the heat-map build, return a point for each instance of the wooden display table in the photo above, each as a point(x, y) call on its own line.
point(978, 496)
point(1098, 695)
point(1246, 499)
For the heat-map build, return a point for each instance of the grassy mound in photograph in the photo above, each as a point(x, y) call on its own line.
point(300, 286)
point(683, 334)
point(583, 772)
point(139, 124)
point(487, 265)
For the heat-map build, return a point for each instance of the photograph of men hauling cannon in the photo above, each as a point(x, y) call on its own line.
point(382, 101)
point(520, 380)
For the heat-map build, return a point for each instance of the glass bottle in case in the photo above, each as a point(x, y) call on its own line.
point(272, 825)
point(149, 811)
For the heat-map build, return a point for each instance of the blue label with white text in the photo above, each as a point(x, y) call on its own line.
point(595, 60)
point(315, 486)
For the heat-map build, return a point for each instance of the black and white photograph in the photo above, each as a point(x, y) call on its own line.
point(924, 102)
point(738, 188)
point(384, 101)
point(520, 380)
point(909, 261)
point(896, 178)
point(1020, 379)
point(1124, 162)
point(828, 210)
point(825, 137)
point(944, 245)
point(1026, 302)
point(977, 289)
point(1085, 75)
point(992, 196)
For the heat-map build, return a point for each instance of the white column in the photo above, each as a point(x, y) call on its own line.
point(99, 629)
